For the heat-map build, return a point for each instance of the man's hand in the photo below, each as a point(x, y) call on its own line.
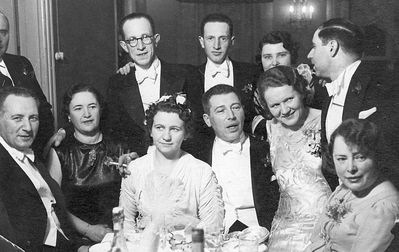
point(97, 232)
point(125, 69)
point(123, 161)
point(55, 141)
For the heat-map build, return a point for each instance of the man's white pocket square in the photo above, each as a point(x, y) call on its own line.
point(366, 113)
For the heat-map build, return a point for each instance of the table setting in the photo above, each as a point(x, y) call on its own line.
point(250, 239)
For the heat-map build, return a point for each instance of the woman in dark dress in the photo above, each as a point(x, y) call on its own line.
point(81, 165)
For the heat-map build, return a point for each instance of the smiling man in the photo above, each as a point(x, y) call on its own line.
point(239, 161)
point(16, 70)
point(32, 199)
point(130, 95)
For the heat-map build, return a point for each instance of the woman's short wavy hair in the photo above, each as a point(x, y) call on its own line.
point(169, 104)
point(284, 37)
point(366, 136)
point(279, 76)
point(78, 88)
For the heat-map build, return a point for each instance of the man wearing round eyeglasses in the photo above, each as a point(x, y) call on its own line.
point(148, 78)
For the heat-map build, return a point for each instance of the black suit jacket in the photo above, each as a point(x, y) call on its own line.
point(265, 192)
point(23, 75)
point(125, 115)
point(244, 74)
point(368, 89)
point(26, 212)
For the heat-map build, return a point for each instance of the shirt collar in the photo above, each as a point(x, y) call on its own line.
point(17, 153)
point(225, 66)
point(343, 79)
point(2, 64)
point(226, 147)
point(154, 66)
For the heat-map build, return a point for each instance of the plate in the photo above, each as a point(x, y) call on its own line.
point(257, 232)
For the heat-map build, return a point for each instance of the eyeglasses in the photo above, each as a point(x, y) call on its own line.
point(146, 39)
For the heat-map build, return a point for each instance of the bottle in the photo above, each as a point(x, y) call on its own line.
point(119, 241)
point(197, 237)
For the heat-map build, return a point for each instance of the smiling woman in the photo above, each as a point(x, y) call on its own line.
point(294, 136)
point(80, 164)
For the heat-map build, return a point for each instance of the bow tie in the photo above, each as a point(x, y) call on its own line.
point(142, 75)
point(334, 88)
point(223, 70)
point(232, 147)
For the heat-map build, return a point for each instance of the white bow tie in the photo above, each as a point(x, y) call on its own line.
point(333, 88)
point(232, 147)
point(142, 75)
point(223, 69)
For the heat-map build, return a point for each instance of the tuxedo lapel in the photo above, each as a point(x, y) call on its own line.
point(201, 70)
point(265, 192)
point(170, 83)
point(356, 93)
point(131, 99)
point(239, 76)
point(12, 67)
point(209, 153)
point(325, 106)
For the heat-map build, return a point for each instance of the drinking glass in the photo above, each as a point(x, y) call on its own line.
point(213, 238)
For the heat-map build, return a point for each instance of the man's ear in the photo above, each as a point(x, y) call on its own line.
point(333, 47)
point(232, 40)
point(207, 120)
point(201, 40)
point(157, 38)
point(124, 46)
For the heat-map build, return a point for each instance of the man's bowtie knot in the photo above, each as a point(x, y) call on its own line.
point(223, 70)
point(142, 75)
point(232, 147)
point(333, 88)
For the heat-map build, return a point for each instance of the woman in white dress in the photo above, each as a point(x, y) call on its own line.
point(169, 186)
point(294, 136)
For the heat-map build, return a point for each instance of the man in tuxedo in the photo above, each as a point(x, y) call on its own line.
point(18, 71)
point(241, 163)
point(32, 199)
point(216, 39)
point(150, 78)
point(356, 90)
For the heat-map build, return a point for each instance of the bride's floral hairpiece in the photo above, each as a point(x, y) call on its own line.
point(180, 98)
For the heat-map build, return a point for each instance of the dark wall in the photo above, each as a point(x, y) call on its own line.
point(87, 38)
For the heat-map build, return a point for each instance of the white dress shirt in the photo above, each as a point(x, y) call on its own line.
point(149, 81)
point(42, 188)
point(338, 90)
point(232, 166)
point(215, 75)
point(4, 70)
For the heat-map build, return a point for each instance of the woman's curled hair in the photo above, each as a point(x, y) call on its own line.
point(176, 103)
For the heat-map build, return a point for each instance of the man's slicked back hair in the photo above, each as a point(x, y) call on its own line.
point(217, 17)
point(218, 90)
point(349, 35)
point(136, 15)
point(17, 91)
